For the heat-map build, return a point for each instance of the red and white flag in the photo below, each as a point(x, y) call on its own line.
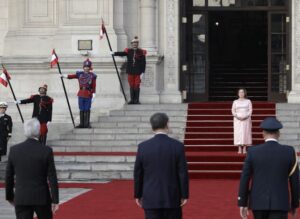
point(54, 59)
point(102, 30)
point(4, 77)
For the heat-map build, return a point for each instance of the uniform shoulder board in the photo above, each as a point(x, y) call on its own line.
point(144, 52)
point(126, 50)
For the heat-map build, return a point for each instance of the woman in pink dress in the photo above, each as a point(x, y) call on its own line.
point(242, 125)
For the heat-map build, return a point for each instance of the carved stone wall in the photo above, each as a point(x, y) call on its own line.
point(37, 26)
point(171, 53)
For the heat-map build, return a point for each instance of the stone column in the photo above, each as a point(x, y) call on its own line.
point(119, 24)
point(171, 92)
point(148, 25)
point(294, 95)
point(3, 23)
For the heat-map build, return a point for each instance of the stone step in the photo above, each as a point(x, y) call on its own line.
point(123, 131)
point(157, 107)
point(116, 137)
point(94, 148)
point(133, 125)
point(136, 119)
point(94, 176)
point(287, 107)
point(87, 175)
point(147, 113)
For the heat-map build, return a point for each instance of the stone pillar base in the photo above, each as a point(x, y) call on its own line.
point(170, 97)
point(294, 97)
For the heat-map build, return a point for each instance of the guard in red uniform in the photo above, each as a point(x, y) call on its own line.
point(136, 65)
point(42, 110)
point(86, 93)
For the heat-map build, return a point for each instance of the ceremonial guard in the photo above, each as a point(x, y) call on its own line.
point(136, 65)
point(5, 128)
point(269, 183)
point(86, 93)
point(42, 110)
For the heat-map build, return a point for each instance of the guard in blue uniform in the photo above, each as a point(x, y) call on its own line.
point(270, 167)
point(86, 93)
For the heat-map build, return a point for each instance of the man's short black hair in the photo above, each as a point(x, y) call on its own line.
point(159, 121)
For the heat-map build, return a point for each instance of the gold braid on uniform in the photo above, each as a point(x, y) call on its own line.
point(295, 165)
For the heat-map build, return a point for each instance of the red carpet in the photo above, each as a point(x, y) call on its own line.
point(209, 139)
point(209, 200)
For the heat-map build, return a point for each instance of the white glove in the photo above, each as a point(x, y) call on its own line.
point(93, 98)
point(63, 75)
point(48, 123)
point(142, 75)
point(17, 101)
point(112, 53)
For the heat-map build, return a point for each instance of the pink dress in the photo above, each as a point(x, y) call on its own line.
point(242, 129)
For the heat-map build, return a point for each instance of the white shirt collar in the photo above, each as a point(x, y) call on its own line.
point(161, 133)
point(271, 139)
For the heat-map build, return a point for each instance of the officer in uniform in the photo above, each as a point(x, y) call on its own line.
point(86, 93)
point(42, 110)
point(270, 167)
point(136, 65)
point(5, 128)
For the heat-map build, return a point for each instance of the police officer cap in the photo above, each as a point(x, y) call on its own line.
point(271, 124)
point(3, 105)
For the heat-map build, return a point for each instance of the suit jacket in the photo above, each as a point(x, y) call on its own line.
point(42, 107)
point(33, 166)
point(268, 166)
point(160, 173)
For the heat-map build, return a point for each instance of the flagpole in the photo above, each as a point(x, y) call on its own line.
point(63, 83)
point(113, 57)
point(13, 93)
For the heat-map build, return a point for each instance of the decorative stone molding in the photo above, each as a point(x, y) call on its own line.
point(40, 13)
point(78, 12)
point(171, 92)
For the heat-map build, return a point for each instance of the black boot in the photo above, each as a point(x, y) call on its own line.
point(137, 96)
point(87, 115)
point(131, 96)
point(81, 120)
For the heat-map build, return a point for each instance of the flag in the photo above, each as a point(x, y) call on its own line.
point(102, 30)
point(54, 59)
point(4, 77)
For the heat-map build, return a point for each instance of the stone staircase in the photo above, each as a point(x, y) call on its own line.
point(107, 151)
point(289, 115)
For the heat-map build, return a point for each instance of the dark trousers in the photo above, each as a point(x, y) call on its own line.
point(164, 213)
point(3, 146)
point(26, 212)
point(270, 214)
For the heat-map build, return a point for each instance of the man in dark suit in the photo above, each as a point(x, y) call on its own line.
point(270, 167)
point(32, 165)
point(160, 173)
